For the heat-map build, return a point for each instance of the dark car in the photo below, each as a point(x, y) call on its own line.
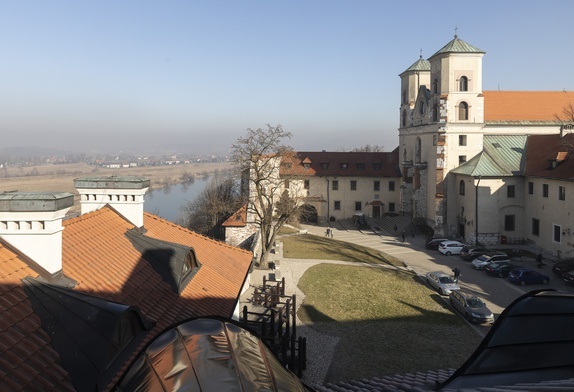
point(568, 277)
point(563, 266)
point(360, 221)
point(434, 243)
point(469, 253)
point(499, 268)
point(471, 307)
point(525, 276)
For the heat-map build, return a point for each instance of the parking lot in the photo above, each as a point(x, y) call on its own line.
point(496, 292)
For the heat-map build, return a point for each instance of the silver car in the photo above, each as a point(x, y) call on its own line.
point(481, 261)
point(471, 307)
point(443, 283)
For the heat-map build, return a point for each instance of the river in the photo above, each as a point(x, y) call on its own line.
point(167, 202)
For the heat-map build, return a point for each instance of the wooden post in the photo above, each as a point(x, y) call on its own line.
point(294, 315)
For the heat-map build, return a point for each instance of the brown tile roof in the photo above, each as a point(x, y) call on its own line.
point(239, 219)
point(98, 255)
point(357, 164)
point(519, 106)
point(542, 150)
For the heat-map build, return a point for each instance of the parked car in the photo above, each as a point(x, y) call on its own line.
point(563, 266)
point(568, 277)
point(450, 247)
point(499, 268)
point(524, 276)
point(360, 221)
point(481, 261)
point(441, 282)
point(470, 253)
point(471, 307)
point(433, 243)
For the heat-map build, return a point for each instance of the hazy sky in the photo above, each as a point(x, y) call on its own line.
point(110, 74)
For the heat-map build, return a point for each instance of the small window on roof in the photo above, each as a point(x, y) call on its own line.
point(306, 165)
point(377, 166)
point(360, 166)
point(324, 165)
point(344, 166)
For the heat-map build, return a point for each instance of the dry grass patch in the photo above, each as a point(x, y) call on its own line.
point(309, 246)
point(387, 321)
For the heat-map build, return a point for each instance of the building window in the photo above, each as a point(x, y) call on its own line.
point(435, 113)
point(508, 222)
point(377, 166)
point(462, 140)
point(360, 166)
point(306, 184)
point(463, 83)
point(306, 165)
point(358, 206)
point(404, 96)
point(562, 193)
point(535, 226)
point(435, 86)
point(461, 187)
point(391, 186)
point(461, 159)
point(404, 118)
point(422, 108)
point(544, 190)
point(556, 233)
point(463, 111)
point(434, 138)
point(337, 205)
point(353, 185)
point(324, 165)
point(344, 166)
point(335, 185)
point(510, 191)
point(377, 185)
point(286, 184)
point(391, 207)
point(530, 188)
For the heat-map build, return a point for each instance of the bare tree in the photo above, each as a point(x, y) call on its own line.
point(220, 199)
point(567, 113)
point(258, 155)
point(369, 148)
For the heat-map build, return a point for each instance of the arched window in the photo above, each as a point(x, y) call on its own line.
point(404, 96)
point(435, 113)
point(463, 111)
point(435, 86)
point(461, 186)
point(463, 83)
point(404, 120)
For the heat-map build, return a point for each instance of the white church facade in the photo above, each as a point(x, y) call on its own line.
point(471, 161)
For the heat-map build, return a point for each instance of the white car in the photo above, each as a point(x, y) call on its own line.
point(443, 283)
point(451, 247)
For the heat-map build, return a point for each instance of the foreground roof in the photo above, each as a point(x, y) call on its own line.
point(208, 354)
point(104, 262)
point(525, 107)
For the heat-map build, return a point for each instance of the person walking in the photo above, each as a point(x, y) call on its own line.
point(456, 272)
point(403, 236)
point(539, 261)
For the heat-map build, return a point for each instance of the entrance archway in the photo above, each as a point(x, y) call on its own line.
point(308, 214)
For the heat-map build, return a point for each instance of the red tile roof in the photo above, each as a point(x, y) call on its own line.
point(98, 255)
point(516, 106)
point(357, 164)
point(542, 150)
point(239, 219)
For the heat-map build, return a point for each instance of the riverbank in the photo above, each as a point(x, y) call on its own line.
point(60, 178)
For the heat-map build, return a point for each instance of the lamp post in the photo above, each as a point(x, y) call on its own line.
point(476, 212)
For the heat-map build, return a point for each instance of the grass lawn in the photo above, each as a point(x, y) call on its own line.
point(309, 246)
point(387, 320)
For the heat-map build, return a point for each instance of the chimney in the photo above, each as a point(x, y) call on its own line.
point(124, 194)
point(32, 223)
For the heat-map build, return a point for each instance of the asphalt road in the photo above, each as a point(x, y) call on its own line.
point(497, 293)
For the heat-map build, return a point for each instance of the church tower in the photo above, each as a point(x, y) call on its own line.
point(441, 124)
